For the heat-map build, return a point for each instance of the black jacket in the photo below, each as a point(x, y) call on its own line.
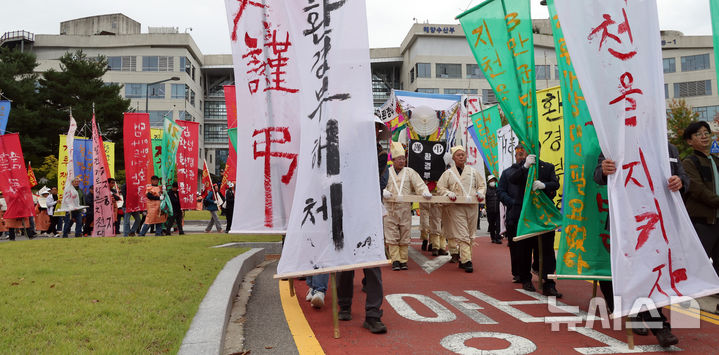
point(512, 184)
point(492, 200)
point(175, 201)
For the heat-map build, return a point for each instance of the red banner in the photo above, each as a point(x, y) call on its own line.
point(230, 172)
point(138, 159)
point(104, 214)
point(13, 178)
point(187, 159)
point(31, 176)
point(206, 180)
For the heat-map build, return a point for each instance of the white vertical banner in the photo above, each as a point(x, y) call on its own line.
point(655, 251)
point(469, 105)
point(506, 141)
point(336, 220)
point(268, 81)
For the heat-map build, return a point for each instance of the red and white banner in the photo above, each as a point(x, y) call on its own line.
point(267, 75)
point(206, 179)
point(138, 159)
point(230, 173)
point(104, 214)
point(13, 178)
point(656, 254)
point(187, 163)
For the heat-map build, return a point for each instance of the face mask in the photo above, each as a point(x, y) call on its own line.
point(492, 184)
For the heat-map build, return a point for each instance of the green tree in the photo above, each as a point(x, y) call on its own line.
point(77, 86)
point(679, 116)
point(18, 82)
point(48, 169)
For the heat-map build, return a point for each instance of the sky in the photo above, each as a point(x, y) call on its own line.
point(388, 20)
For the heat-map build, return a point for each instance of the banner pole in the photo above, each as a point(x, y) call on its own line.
point(630, 334)
point(594, 288)
point(541, 261)
point(335, 308)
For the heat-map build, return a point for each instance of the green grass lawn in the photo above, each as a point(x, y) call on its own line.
point(106, 295)
point(203, 215)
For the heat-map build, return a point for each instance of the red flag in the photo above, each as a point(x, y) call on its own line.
point(231, 103)
point(13, 178)
point(31, 176)
point(230, 172)
point(104, 214)
point(206, 179)
point(138, 159)
point(187, 159)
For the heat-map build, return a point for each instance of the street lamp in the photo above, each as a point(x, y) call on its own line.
point(147, 89)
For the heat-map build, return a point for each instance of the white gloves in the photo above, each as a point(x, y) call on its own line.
point(538, 185)
point(480, 196)
point(386, 194)
point(530, 160)
point(162, 197)
point(427, 195)
point(452, 196)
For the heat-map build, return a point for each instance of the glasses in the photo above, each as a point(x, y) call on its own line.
point(702, 134)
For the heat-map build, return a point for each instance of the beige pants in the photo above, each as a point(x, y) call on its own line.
point(424, 216)
point(398, 253)
point(438, 241)
point(459, 226)
point(397, 227)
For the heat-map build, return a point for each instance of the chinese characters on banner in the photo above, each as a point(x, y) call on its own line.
point(584, 245)
point(500, 36)
point(138, 159)
point(13, 178)
point(655, 252)
point(506, 141)
point(187, 164)
point(551, 133)
point(104, 216)
point(267, 72)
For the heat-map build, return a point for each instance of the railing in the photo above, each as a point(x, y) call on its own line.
point(17, 35)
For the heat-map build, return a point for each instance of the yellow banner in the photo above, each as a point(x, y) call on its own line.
point(551, 137)
point(63, 160)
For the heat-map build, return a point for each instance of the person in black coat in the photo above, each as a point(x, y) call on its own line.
point(176, 218)
point(492, 206)
point(229, 205)
point(511, 194)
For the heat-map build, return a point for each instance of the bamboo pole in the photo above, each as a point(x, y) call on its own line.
point(335, 307)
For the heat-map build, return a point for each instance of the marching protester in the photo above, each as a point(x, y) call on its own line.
point(75, 216)
point(461, 222)
point(492, 208)
point(398, 221)
point(317, 285)
point(90, 212)
point(678, 181)
point(511, 193)
point(42, 222)
point(176, 218)
point(55, 222)
point(229, 205)
point(117, 203)
point(128, 231)
point(702, 197)
point(211, 205)
point(155, 217)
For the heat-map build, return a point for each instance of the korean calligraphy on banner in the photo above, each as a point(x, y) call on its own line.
point(267, 74)
point(486, 124)
point(506, 141)
point(80, 158)
point(13, 178)
point(187, 164)
point(551, 133)
point(138, 159)
point(500, 36)
point(337, 170)
point(104, 216)
point(583, 251)
point(469, 105)
point(655, 252)
point(427, 159)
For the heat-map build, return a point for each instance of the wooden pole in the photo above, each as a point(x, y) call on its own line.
point(292, 287)
point(335, 307)
point(594, 288)
point(541, 261)
point(630, 334)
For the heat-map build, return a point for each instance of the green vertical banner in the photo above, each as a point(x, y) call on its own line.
point(171, 136)
point(714, 8)
point(486, 125)
point(500, 36)
point(584, 244)
point(156, 142)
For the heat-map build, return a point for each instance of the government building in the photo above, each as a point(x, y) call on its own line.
point(164, 73)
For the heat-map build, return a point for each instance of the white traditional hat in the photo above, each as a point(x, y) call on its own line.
point(44, 190)
point(456, 148)
point(491, 177)
point(396, 149)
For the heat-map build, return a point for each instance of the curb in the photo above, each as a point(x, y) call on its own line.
point(207, 330)
point(271, 248)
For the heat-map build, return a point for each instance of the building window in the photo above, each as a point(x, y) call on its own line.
point(473, 72)
point(695, 62)
point(543, 72)
point(156, 91)
point(157, 118)
point(488, 96)
point(666, 91)
point(158, 63)
point(186, 116)
point(179, 91)
point(670, 65)
point(134, 90)
point(192, 97)
point(186, 65)
point(460, 91)
point(411, 75)
point(449, 71)
point(424, 70)
point(221, 156)
point(707, 113)
point(556, 72)
point(215, 110)
point(216, 133)
point(125, 63)
point(428, 91)
point(692, 88)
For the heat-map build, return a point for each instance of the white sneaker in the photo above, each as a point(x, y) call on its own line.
point(309, 294)
point(318, 299)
